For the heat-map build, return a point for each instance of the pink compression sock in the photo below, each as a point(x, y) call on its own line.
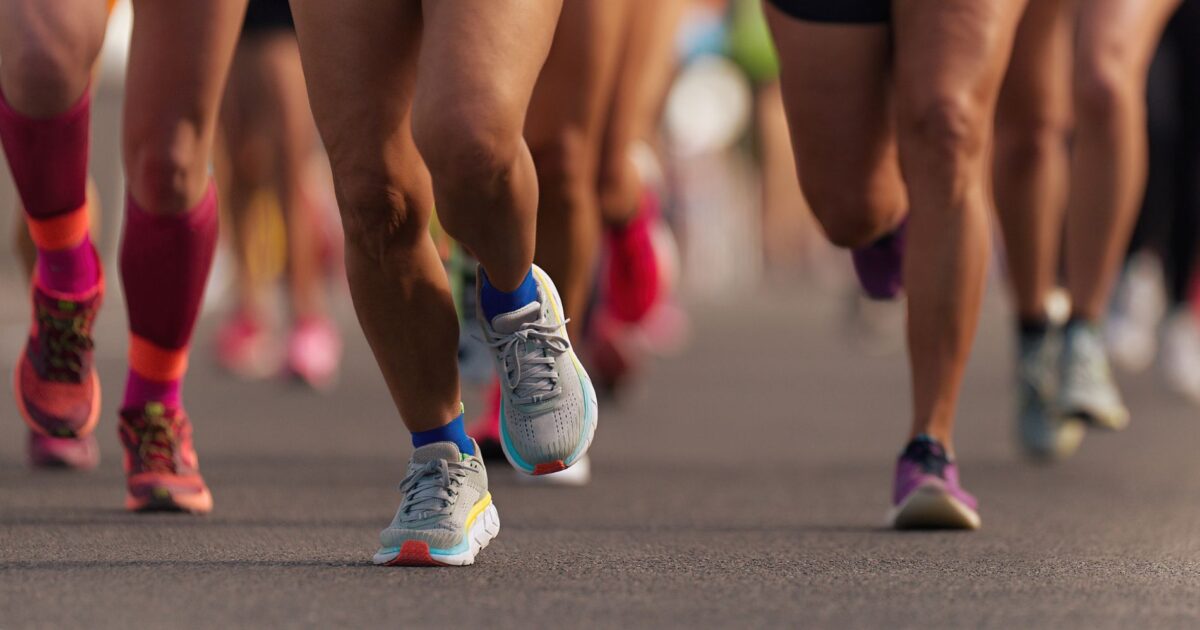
point(165, 260)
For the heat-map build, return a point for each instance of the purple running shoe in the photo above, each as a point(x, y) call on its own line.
point(927, 494)
point(880, 265)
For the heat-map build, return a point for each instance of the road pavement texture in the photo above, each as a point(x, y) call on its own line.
point(744, 484)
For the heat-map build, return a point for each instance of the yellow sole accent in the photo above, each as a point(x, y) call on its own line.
point(477, 509)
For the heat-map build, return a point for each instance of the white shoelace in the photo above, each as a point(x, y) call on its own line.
point(431, 489)
point(528, 356)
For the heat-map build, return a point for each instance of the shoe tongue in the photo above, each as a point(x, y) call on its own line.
point(438, 450)
point(508, 323)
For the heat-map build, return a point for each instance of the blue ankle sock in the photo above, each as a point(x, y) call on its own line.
point(496, 302)
point(453, 432)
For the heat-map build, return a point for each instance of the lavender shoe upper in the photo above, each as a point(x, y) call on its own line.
point(924, 463)
point(880, 265)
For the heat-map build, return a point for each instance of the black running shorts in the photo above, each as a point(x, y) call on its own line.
point(264, 16)
point(837, 11)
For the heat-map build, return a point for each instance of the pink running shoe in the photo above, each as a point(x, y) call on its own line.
point(244, 348)
point(161, 467)
point(880, 265)
point(57, 388)
point(927, 494)
point(632, 283)
point(314, 353)
point(486, 428)
point(82, 453)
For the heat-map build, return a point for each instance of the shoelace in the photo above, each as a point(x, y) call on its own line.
point(156, 440)
point(430, 490)
point(929, 455)
point(64, 335)
point(529, 360)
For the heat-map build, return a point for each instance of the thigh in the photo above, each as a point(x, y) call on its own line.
point(1037, 85)
point(577, 80)
point(836, 85)
point(481, 58)
point(179, 57)
point(950, 61)
point(1120, 35)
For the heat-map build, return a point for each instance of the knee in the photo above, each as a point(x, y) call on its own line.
point(1028, 140)
point(168, 171)
point(562, 161)
point(848, 215)
point(381, 217)
point(51, 74)
point(466, 148)
point(1101, 83)
point(950, 127)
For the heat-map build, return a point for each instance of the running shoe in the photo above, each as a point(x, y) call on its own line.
point(1043, 434)
point(57, 388)
point(314, 352)
point(1087, 390)
point(1181, 354)
point(927, 494)
point(245, 349)
point(1138, 306)
point(485, 430)
point(632, 282)
point(548, 409)
point(446, 515)
point(80, 453)
point(161, 467)
point(880, 265)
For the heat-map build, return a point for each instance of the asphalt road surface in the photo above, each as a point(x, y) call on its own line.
point(743, 484)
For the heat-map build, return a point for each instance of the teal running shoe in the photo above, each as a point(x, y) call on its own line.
point(447, 515)
point(1043, 434)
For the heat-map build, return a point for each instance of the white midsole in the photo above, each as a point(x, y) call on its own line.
point(483, 530)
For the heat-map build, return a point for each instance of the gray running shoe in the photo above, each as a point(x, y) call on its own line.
point(548, 408)
point(446, 515)
point(1087, 390)
point(1043, 434)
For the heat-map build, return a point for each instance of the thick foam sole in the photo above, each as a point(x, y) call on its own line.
point(417, 553)
point(1065, 443)
point(199, 503)
point(931, 507)
point(1110, 419)
point(591, 411)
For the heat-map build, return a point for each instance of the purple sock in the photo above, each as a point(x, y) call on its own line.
point(140, 390)
point(72, 270)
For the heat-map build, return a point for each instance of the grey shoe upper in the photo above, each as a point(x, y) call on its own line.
point(441, 487)
point(1087, 386)
point(544, 400)
point(1043, 432)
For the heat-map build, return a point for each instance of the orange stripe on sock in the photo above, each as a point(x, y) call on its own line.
point(61, 232)
point(155, 362)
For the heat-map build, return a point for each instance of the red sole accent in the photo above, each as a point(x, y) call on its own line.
point(414, 553)
point(549, 467)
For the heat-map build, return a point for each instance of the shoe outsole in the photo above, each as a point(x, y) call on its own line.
point(1067, 441)
point(199, 503)
point(71, 454)
point(416, 553)
point(1104, 419)
point(931, 507)
point(83, 431)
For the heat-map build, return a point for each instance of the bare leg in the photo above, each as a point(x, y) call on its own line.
point(397, 281)
point(478, 66)
point(564, 132)
point(1030, 170)
point(950, 60)
point(835, 89)
point(1108, 172)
